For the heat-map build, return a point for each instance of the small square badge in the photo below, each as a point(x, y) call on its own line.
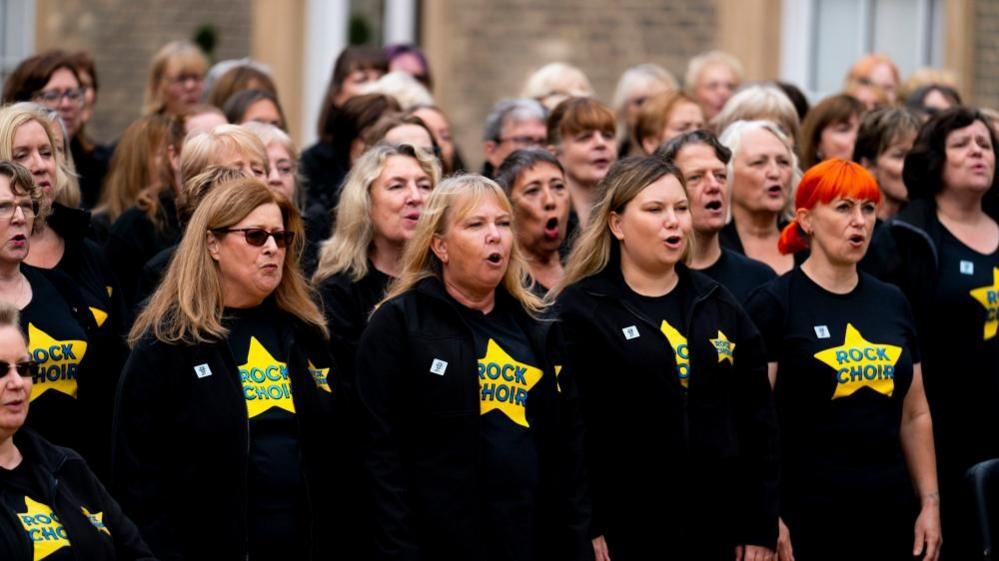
point(438, 367)
point(967, 267)
point(202, 371)
point(821, 331)
point(630, 332)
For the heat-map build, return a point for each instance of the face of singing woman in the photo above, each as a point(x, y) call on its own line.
point(476, 244)
point(654, 227)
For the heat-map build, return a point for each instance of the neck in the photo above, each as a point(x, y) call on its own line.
point(236, 298)
point(960, 207)
point(469, 297)
point(707, 249)
point(386, 256)
point(583, 197)
point(837, 278)
point(10, 273)
point(648, 283)
point(10, 456)
point(757, 224)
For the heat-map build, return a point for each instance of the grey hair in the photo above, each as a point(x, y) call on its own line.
point(731, 138)
point(512, 110)
point(640, 73)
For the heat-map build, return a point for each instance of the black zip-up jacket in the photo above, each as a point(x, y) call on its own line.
point(423, 440)
point(697, 465)
point(181, 446)
point(69, 487)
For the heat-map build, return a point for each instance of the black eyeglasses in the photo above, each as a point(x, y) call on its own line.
point(25, 368)
point(28, 209)
point(257, 237)
point(53, 97)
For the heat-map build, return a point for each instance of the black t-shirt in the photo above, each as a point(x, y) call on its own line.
point(668, 314)
point(58, 343)
point(277, 517)
point(24, 496)
point(844, 367)
point(507, 371)
point(739, 274)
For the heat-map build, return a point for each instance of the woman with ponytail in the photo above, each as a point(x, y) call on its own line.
point(856, 431)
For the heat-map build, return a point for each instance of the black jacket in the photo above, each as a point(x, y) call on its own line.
point(423, 441)
point(670, 467)
point(181, 445)
point(91, 165)
point(348, 306)
point(134, 239)
point(324, 170)
point(70, 487)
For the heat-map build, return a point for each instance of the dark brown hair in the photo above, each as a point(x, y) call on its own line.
point(830, 111)
point(579, 114)
point(239, 78)
point(33, 73)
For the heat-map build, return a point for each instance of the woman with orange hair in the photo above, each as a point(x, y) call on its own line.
point(856, 431)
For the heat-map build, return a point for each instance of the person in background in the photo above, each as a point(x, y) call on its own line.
point(176, 78)
point(354, 67)
point(402, 129)
point(534, 181)
point(797, 97)
point(202, 117)
point(229, 77)
point(933, 98)
point(830, 130)
point(411, 60)
point(874, 70)
point(402, 87)
point(884, 139)
point(712, 78)
point(512, 124)
point(665, 117)
point(703, 162)
point(637, 85)
point(555, 82)
point(90, 158)
point(438, 123)
point(254, 105)
point(760, 102)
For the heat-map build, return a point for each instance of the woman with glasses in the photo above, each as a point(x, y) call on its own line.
point(176, 78)
point(52, 80)
point(224, 415)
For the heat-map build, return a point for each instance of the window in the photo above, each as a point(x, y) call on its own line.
point(17, 34)
point(822, 38)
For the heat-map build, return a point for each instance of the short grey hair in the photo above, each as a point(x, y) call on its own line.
point(731, 138)
point(512, 110)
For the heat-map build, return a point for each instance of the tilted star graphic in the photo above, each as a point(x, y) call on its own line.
point(47, 534)
point(724, 347)
point(860, 363)
point(679, 344)
point(504, 383)
point(97, 519)
point(265, 381)
point(55, 357)
point(321, 376)
point(988, 296)
point(100, 316)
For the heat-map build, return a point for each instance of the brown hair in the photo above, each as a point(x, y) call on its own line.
point(240, 77)
point(579, 114)
point(21, 183)
point(187, 54)
point(830, 111)
point(350, 59)
point(655, 113)
point(33, 73)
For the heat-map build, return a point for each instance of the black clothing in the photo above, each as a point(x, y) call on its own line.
point(52, 502)
point(882, 255)
point(730, 240)
point(669, 313)
point(318, 222)
point(845, 365)
point(91, 165)
point(348, 306)
point(693, 471)
point(183, 443)
point(419, 383)
point(134, 239)
point(739, 274)
point(153, 272)
point(487, 170)
point(324, 170)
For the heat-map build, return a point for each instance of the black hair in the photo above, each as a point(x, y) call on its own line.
point(520, 161)
point(671, 149)
point(924, 164)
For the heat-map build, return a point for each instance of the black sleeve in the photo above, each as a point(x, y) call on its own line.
point(128, 543)
point(139, 459)
point(767, 314)
point(909, 325)
point(380, 366)
point(346, 323)
point(124, 256)
point(757, 425)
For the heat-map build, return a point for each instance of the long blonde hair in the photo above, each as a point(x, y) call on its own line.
point(187, 308)
point(448, 203)
point(347, 248)
point(12, 117)
point(626, 179)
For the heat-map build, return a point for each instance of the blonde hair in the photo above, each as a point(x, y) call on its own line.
point(187, 307)
point(731, 138)
point(12, 117)
point(596, 244)
point(862, 68)
point(204, 149)
point(402, 87)
point(269, 134)
point(555, 82)
point(759, 102)
point(449, 202)
point(697, 65)
point(927, 76)
point(67, 191)
point(184, 53)
point(347, 248)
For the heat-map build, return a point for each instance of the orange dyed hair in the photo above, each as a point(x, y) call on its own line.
point(823, 183)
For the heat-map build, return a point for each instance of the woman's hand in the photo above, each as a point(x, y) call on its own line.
point(928, 532)
point(600, 552)
point(784, 551)
point(753, 553)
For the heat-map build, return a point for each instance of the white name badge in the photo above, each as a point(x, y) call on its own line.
point(202, 371)
point(821, 331)
point(630, 332)
point(967, 268)
point(438, 367)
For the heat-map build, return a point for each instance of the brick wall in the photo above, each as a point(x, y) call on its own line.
point(985, 57)
point(123, 35)
point(491, 47)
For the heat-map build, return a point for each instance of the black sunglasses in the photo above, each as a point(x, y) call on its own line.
point(25, 368)
point(257, 237)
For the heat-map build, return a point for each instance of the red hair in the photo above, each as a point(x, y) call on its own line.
point(822, 183)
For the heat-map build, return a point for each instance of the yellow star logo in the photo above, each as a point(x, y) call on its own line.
point(504, 383)
point(724, 347)
point(988, 296)
point(321, 376)
point(265, 381)
point(44, 529)
point(97, 519)
point(859, 363)
point(679, 344)
point(100, 316)
point(558, 372)
point(58, 361)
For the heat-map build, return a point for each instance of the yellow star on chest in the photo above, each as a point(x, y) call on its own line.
point(44, 529)
point(680, 350)
point(100, 316)
point(58, 362)
point(724, 347)
point(860, 363)
point(265, 381)
point(321, 377)
point(988, 296)
point(504, 383)
point(97, 519)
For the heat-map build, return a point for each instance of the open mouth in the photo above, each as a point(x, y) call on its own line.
point(674, 241)
point(774, 190)
point(713, 205)
point(495, 258)
point(856, 240)
point(551, 228)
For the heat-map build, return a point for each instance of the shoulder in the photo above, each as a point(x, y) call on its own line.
point(752, 266)
point(881, 291)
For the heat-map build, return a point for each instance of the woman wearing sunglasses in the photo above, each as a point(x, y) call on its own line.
point(51, 505)
point(222, 424)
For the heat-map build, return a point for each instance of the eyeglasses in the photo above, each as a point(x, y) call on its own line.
point(28, 209)
point(53, 97)
point(524, 140)
point(257, 237)
point(25, 368)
